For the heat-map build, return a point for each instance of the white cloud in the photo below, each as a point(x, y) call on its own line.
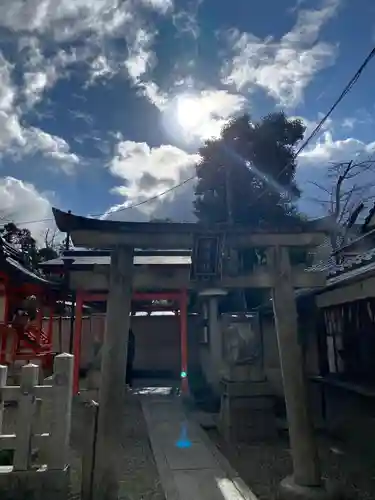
point(310, 125)
point(162, 6)
point(11, 133)
point(153, 93)
point(20, 202)
point(101, 67)
point(35, 84)
point(186, 22)
point(65, 20)
point(327, 150)
point(17, 139)
point(140, 56)
point(285, 68)
point(202, 115)
point(349, 123)
point(186, 19)
point(68, 20)
point(41, 71)
point(7, 89)
point(121, 212)
point(42, 26)
point(52, 146)
point(147, 171)
point(178, 208)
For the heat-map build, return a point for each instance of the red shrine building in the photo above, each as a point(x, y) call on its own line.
point(26, 297)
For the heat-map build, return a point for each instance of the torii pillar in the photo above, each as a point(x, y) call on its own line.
point(306, 482)
point(212, 296)
point(113, 370)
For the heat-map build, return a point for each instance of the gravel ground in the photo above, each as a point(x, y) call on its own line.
point(263, 465)
point(140, 479)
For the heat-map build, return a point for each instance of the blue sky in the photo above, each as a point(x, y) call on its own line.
point(104, 103)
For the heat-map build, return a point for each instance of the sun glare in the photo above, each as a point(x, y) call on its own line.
point(189, 112)
point(192, 118)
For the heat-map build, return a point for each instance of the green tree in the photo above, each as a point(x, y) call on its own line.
point(23, 241)
point(247, 176)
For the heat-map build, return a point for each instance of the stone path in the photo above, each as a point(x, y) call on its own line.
point(189, 464)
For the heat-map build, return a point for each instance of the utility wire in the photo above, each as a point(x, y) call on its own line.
point(155, 197)
point(346, 90)
point(134, 205)
point(316, 130)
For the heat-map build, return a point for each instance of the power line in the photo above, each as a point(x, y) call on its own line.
point(129, 207)
point(316, 130)
point(155, 197)
point(24, 223)
point(346, 90)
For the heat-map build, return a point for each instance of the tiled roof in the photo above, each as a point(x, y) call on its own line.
point(14, 263)
point(350, 263)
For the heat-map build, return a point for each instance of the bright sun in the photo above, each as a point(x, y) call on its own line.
point(189, 112)
point(196, 117)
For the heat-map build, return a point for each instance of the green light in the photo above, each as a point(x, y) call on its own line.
point(183, 374)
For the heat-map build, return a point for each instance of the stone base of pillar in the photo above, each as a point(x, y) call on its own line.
point(247, 412)
point(289, 490)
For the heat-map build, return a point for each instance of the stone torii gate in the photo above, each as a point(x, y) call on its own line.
point(278, 274)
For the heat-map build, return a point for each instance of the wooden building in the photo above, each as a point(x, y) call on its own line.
point(26, 296)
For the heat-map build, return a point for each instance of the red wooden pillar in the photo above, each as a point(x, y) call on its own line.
point(184, 342)
point(77, 340)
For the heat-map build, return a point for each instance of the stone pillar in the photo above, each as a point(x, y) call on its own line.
point(306, 481)
point(215, 346)
point(113, 369)
point(215, 339)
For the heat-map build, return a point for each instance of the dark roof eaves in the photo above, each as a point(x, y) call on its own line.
point(67, 222)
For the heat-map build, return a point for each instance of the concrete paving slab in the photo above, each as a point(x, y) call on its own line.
point(194, 457)
point(202, 484)
point(196, 470)
point(171, 432)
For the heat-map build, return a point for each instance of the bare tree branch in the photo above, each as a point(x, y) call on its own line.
point(319, 186)
point(345, 199)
